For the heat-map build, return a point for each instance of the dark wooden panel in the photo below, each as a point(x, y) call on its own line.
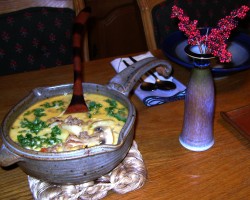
point(115, 28)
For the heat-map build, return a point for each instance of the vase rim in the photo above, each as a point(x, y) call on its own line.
point(197, 55)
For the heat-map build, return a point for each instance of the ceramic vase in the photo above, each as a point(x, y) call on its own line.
point(197, 130)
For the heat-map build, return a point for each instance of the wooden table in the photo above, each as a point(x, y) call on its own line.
point(222, 172)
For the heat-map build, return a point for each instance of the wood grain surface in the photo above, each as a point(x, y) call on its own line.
point(222, 172)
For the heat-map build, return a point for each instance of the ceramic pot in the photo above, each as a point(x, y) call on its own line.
point(83, 165)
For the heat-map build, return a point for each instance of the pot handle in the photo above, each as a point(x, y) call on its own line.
point(124, 81)
point(7, 157)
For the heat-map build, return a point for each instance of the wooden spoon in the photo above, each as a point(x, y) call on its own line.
point(78, 103)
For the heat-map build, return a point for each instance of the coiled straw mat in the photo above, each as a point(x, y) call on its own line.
point(129, 175)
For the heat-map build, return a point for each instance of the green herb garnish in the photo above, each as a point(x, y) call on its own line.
point(112, 110)
point(93, 108)
point(33, 126)
point(58, 103)
point(37, 142)
point(38, 112)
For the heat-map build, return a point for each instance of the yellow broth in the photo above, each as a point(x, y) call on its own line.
point(45, 127)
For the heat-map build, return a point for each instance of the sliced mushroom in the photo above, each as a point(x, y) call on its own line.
point(103, 128)
point(74, 129)
point(108, 122)
point(106, 135)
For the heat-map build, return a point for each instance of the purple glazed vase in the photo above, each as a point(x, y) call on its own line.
point(197, 130)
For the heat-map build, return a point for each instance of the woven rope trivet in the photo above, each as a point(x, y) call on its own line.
point(129, 175)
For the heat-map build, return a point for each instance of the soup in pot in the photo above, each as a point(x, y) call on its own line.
point(44, 126)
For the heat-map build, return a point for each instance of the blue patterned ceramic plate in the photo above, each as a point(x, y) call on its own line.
point(174, 44)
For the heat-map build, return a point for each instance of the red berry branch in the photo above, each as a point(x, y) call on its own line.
point(213, 41)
